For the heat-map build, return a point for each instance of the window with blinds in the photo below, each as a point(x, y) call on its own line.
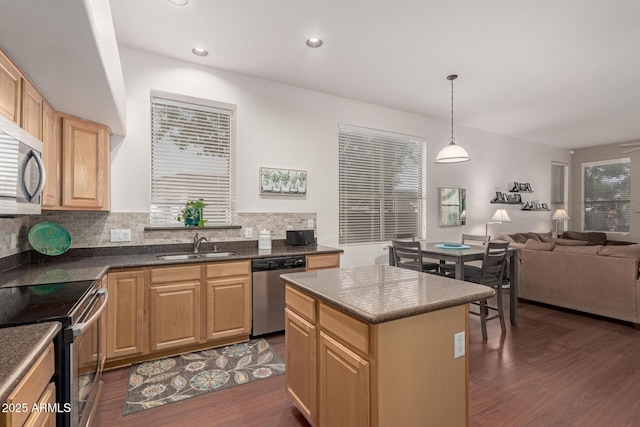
point(192, 157)
point(382, 185)
point(559, 190)
point(607, 195)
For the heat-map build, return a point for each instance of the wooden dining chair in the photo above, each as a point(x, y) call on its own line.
point(408, 254)
point(449, 269)
point(490, 274)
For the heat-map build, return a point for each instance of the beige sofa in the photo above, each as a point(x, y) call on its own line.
point(602, 280)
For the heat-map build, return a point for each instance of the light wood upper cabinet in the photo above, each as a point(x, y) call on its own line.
point(85, 165)
point(32, 109)
point(126, 330)
point(51, 157)
point(10, 89)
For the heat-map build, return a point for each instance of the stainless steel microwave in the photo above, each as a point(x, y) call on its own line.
point(22, 174)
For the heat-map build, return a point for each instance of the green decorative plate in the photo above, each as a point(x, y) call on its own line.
point(49, 238)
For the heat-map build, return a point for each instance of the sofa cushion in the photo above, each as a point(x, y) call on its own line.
point(593, 237)
point(583, 250)
point(535, 245)
point(625, 251)
point(570, 242)
point(518, 238)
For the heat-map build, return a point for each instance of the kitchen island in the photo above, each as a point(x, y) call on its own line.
point(374, 346)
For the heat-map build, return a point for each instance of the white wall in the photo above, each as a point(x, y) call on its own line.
point(288, 127)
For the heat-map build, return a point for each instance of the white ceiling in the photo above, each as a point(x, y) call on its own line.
point(560, 72)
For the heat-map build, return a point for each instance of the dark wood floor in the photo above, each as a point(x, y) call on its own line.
point(555, 368)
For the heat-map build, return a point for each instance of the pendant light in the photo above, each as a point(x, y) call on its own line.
point(452, 153)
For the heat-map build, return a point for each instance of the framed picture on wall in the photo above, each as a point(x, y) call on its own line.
point(286, 182)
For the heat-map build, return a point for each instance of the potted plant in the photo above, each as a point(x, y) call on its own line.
point(191, 214)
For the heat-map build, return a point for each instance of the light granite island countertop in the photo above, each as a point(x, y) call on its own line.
point(378, 346)
point(380, 293)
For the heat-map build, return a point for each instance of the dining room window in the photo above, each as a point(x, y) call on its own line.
point(192, 157)
point(606, 189)
point(382, 185)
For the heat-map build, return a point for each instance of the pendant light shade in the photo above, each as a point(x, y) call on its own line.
point(452, 153)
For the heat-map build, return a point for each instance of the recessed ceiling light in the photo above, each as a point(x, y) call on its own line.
point(179, 2)
point(199, 51)
point(314, 42)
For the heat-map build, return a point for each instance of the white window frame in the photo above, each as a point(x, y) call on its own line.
point(565, 197)
point(216, 214)
point(582, 207)
point(383, 196)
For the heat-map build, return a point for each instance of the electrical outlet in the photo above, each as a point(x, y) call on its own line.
point(248, 232)
point(289, 227)
point(121, 235)
point(14, 241)
point(310, 223)
point(458, 345)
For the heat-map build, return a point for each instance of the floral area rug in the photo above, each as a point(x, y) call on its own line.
point(163, 381)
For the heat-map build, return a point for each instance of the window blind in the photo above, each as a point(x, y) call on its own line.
point(382, 185)
point(191, 158)
point(558, 192)
point(607, 195)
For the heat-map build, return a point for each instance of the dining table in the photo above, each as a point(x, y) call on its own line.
point(460, 254)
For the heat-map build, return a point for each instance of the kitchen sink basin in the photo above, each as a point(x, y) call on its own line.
point(176, 257)
point(218, 254)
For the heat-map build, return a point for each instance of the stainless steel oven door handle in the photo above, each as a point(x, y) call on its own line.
point(80, 328)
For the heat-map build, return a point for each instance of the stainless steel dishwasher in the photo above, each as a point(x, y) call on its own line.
point(268, 291)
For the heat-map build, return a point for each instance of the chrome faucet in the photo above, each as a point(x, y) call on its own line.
point(196, 242)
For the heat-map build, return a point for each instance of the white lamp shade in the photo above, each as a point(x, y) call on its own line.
point(501, 215)
point(452, 153)
point(560, 215)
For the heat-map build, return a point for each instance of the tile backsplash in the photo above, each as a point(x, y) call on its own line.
point(93, 229)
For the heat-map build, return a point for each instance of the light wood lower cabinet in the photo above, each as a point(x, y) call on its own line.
point(34, 388)
point(174, 307)
point(44, 418)
point(300, 359)
point(169, 309)
point(126, 323)
point(323, 261)
point(228, 300)
point(401, 372)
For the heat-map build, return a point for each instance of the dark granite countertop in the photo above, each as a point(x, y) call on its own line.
point(21, 346)
point(381, 293)
point(93, 267)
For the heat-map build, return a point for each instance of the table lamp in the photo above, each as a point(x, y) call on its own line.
point(499, 217)
point(559, 215)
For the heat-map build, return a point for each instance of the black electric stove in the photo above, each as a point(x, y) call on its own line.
point(60, 302)
point(79, 356)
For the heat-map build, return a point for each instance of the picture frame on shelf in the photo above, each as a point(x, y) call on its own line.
point(282, 182)
point(545, 207)
point(499, 198)
point(538, 206)
point(524, 186)
point(516, 187)
point(528, 187)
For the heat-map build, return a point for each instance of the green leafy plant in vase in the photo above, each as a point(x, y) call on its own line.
point(191, 214)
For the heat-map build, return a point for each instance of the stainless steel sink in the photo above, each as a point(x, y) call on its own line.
point(177, 257)
point(218, 254)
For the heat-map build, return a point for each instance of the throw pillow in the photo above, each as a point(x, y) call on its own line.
point(535, 245)
point(625, 251)
point(533, 236)
point(504, 237)
point(545, 237)
point(593, 237)
point(518, 238)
